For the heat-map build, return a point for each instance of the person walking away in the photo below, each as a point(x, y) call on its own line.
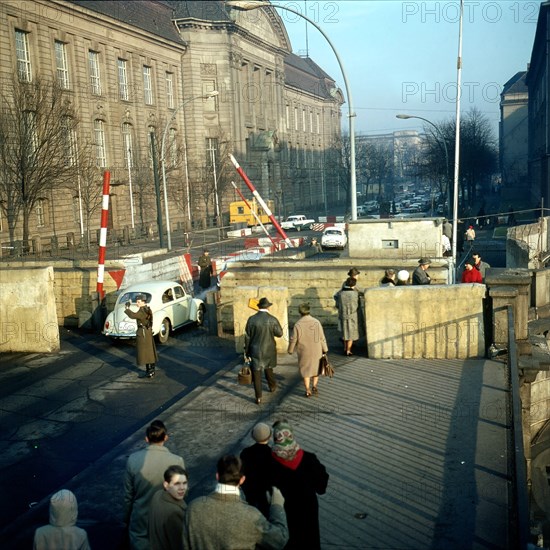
point(205, 264)
point(348, 314)
point(257, 462)
point(402, 278)
point(145, 343)
point(62, 532)
point(301, 477)
point(470, 273)
point(470, 233)
point(480, 265)
point(259, 345)
point(308, 339)
point(446, 248)
point(142, 479)
point(389, 278)
point(420, 274)
point(223, 520)
point(167, 510)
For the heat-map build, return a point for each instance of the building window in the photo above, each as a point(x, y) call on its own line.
point(24, 71)
point(61, 65)
point(127, 145)
point(123, 80)
point(173, 148)
point(311, 121)
point(287, 116)
point(76, 209)
point(303, 120)
point(40, 213)
point(99, 140)
point(30, 136)
point(147, 85)
point(210, 104)
point(318, 123)
point(151, 130)
point(170, 90)
point(95, 79)
point(296, 118)
point(69, 138)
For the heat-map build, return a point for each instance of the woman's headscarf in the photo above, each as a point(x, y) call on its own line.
point(285, 446)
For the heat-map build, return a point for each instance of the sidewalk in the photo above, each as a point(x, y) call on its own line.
point(416, 451)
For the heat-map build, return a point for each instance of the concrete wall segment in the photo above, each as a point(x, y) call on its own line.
point(436, 322)
point(28, 319)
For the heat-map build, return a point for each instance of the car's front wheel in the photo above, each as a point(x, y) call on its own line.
point(200, 315)
point(164, 331)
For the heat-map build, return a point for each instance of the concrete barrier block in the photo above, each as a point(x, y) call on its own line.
point(432, 322)
point(28, 320)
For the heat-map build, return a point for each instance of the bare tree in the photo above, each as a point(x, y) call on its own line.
point(37, 121)
point(478, 153)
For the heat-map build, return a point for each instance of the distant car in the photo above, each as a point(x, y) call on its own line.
point(334, 237)
point(172, 308)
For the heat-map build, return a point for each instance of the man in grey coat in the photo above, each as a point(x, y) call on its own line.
point(420, 274)
point(259, 344)
point(144, 476)
point(224, 520)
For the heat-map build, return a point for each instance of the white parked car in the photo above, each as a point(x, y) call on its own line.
point(334, 237)
point(172, 308)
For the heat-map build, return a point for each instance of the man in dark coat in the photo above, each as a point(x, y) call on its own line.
point(205, 264)
point(257, 463)
point(259, 344)
point(420, 274)
point(145, 344)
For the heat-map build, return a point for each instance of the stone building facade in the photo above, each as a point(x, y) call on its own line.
point(135, 68)
point(513, 136)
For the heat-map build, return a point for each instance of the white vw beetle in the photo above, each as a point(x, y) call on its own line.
point(172, 308)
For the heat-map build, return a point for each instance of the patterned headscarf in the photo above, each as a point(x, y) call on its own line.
point(285, 446)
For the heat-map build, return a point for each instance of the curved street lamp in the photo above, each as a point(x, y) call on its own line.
point(163, 160)
point(247, 5)
point(442, 138)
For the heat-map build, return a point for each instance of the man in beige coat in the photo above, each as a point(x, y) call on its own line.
point(143, 478)
point(308, 339)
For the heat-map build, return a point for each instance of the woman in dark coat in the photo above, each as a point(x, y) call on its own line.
point(348, 314)
point(146, 349)
point(300, 477)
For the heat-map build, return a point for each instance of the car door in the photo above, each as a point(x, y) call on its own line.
point(181, 305)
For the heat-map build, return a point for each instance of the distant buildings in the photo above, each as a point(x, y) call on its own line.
point(135, 68)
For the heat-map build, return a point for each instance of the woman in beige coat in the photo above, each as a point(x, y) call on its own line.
point(308, 338)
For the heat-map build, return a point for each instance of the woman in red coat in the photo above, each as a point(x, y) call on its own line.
point(470, 274)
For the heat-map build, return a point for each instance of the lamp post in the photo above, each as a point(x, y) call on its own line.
point(247, 5)
point(442, 138)
point(163, 159)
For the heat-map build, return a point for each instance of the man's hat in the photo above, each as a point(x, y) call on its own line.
point(424, 261)
point(264, 303)
point(261, 432)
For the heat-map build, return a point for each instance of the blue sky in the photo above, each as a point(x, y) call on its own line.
point(400, 56)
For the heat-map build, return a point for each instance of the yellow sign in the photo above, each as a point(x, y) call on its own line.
point(253, 303)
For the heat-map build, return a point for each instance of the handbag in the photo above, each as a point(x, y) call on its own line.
point(325, 369)
point(244, 376)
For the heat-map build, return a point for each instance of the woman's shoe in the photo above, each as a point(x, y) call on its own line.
point(307, 394)
point(258, 401)
point(348, 353)
point(315, 391)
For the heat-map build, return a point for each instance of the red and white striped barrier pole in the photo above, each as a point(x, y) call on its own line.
point(103, 234)
point(261, 201)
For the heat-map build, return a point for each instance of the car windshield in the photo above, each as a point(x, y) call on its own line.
point(131, 297)
point(333, 232)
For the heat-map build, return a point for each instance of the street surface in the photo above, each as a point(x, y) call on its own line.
point(61, 412)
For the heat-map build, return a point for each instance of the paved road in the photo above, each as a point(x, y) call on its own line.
point(61, 412)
